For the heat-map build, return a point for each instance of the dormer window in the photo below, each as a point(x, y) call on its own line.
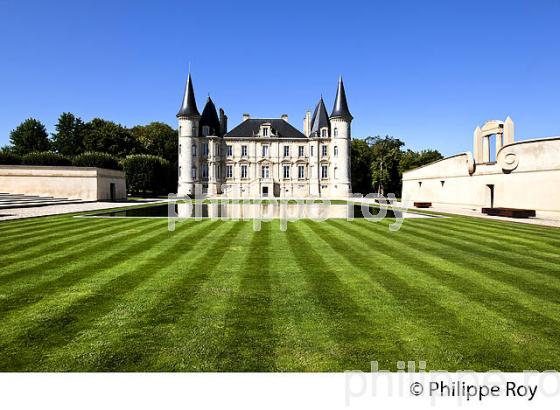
point(324, 132)
point(266, 130)
point(205, 130)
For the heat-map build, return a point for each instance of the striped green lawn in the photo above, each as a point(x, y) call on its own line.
point(81, 294)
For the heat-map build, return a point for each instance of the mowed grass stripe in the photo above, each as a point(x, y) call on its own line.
point(393, 334)
point(132, 329)
point(499, 240)
point(433, 305)
point(57, 328)
point(62, 241)
point(39, 230)
point(40, 264)
point(113, 256)
point(195, 341)
point(21, 291)
point(516, 328)
point(249, 339)
point(521, 280)
point(301, 326)
point(358, 340)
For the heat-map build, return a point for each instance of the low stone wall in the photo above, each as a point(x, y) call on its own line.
point(525, 175)
point(90, 184)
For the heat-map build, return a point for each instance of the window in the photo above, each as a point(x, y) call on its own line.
point(194, 150)
point(244, 150)
point(324, 171)
point(243, 171)
point(286, 150)
point(336, 151)
point(205, 130)
point(195, 131)
point(205, 171)
point(229, 171)
point(265, 171)
point(324, 133)
point(336, 132)
point(311, 152)
point(265, 132)
point(301, 151)
point(219, 172)
point(335, 172)
point(205, 150)
point(265, 150)
point(301, 172)
point(286, 169)
point(229, 150)
point(193, 172)
point(324, 150)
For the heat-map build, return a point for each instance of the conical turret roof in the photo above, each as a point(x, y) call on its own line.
point(320, 117)
point(210, 117)
point(188, 108)
point(340, 108)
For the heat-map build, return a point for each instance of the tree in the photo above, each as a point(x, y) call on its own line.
point(68, 139)
point(384, 166)
point(414, 159)
point(361, 172)
point(146, 173)
point(157, 139)
point(106, 136)
point(29, 136)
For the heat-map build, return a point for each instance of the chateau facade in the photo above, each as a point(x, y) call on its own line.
point(264, 157)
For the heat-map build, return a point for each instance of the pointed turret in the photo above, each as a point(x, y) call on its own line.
point(320, 118)
point(188, 108)
point(210, 118)
point(340, 108)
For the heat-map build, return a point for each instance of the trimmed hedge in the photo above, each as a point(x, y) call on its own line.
point(9, 158)
point(147, 173)
point(45, 158)
point(97, 160)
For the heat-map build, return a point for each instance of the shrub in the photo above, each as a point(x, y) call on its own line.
point(97, 160)
point(9, 158)
point(146, 173)
point(45, 158)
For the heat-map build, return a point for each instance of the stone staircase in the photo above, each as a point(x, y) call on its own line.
point(12, 201)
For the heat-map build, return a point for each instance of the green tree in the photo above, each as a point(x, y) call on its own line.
point(106, 136)
point(157, 139)
point(68, 139)
point(384, 166)
point(361, 172)
point(29, 136)
point(414, 159)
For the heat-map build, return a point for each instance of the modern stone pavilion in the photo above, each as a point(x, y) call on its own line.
point(523, 174)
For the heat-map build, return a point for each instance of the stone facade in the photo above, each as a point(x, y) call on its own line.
point(264, 157)
point(524, 174)
point(89, 184)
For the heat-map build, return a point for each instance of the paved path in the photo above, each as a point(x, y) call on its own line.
point(19, 213)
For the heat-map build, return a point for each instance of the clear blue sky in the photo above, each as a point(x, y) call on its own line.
point(427, 72)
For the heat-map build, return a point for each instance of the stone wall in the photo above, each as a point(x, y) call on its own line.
point(90, 184)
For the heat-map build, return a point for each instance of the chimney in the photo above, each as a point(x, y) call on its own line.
point(284, 117)
point(307, 124)
point(223, 122)
point(246, 117)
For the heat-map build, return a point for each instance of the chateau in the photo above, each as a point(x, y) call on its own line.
point(264, 157)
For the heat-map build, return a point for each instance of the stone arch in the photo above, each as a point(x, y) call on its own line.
point(502, 131)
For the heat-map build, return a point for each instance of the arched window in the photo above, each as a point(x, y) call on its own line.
point(336, 151)
point(193, 172)
point(336, 132)
point(205, 130)
point(194, 150)
point(324, 133)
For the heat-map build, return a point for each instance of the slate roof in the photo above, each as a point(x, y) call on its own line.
point(210, 118)
point(320, 117)
point(188, 107)
point(340, 108)
point(250, 128)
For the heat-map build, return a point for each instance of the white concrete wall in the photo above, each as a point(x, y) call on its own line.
point(90, 184)
point(525, 175)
